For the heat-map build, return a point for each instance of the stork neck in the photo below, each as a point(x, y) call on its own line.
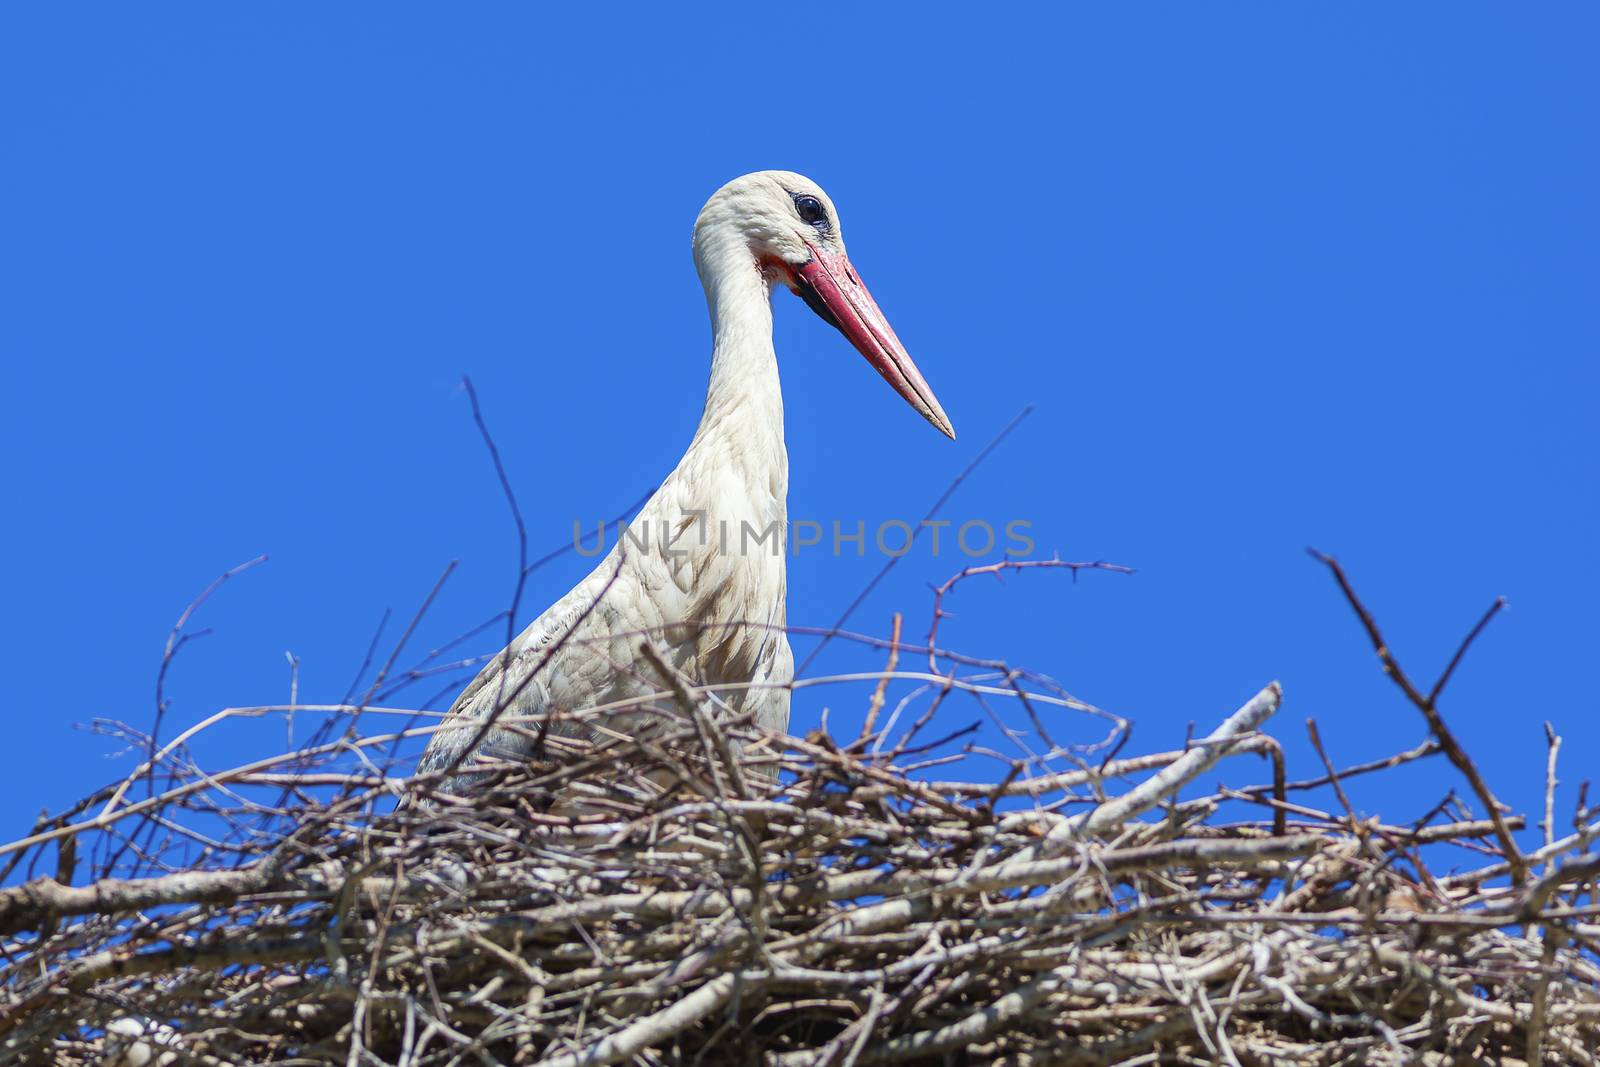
point(744, 388)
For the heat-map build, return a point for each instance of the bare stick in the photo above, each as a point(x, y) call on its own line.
point(1447, 740)
point(652, 1029)
point(944, 588)
point(176, 639)
point(1149, 793)
point(1553, 744)
point(878, 694)
point(1333, 775)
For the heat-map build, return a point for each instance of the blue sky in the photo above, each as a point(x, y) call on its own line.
point(1271, 275)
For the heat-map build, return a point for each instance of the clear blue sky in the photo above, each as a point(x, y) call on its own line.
point(1273, 275)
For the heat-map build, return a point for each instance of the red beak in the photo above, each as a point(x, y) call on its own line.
point(830, 286)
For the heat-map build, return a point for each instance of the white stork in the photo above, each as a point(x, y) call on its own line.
point(708, 595)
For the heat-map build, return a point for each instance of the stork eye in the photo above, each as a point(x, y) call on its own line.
point(811, 210)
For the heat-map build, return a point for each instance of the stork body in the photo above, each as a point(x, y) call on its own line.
point(701, 573)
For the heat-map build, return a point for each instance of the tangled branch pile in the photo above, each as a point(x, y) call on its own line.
point(676, 901)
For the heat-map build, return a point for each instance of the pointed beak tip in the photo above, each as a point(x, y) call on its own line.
point(940, 421)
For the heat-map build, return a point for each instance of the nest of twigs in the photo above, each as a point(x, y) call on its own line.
point(715, 897)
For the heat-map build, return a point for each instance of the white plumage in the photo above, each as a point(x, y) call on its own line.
point(710, 594)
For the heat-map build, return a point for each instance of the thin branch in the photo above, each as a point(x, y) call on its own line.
point(1447, 740)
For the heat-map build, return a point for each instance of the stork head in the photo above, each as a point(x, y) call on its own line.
point(783, 225)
